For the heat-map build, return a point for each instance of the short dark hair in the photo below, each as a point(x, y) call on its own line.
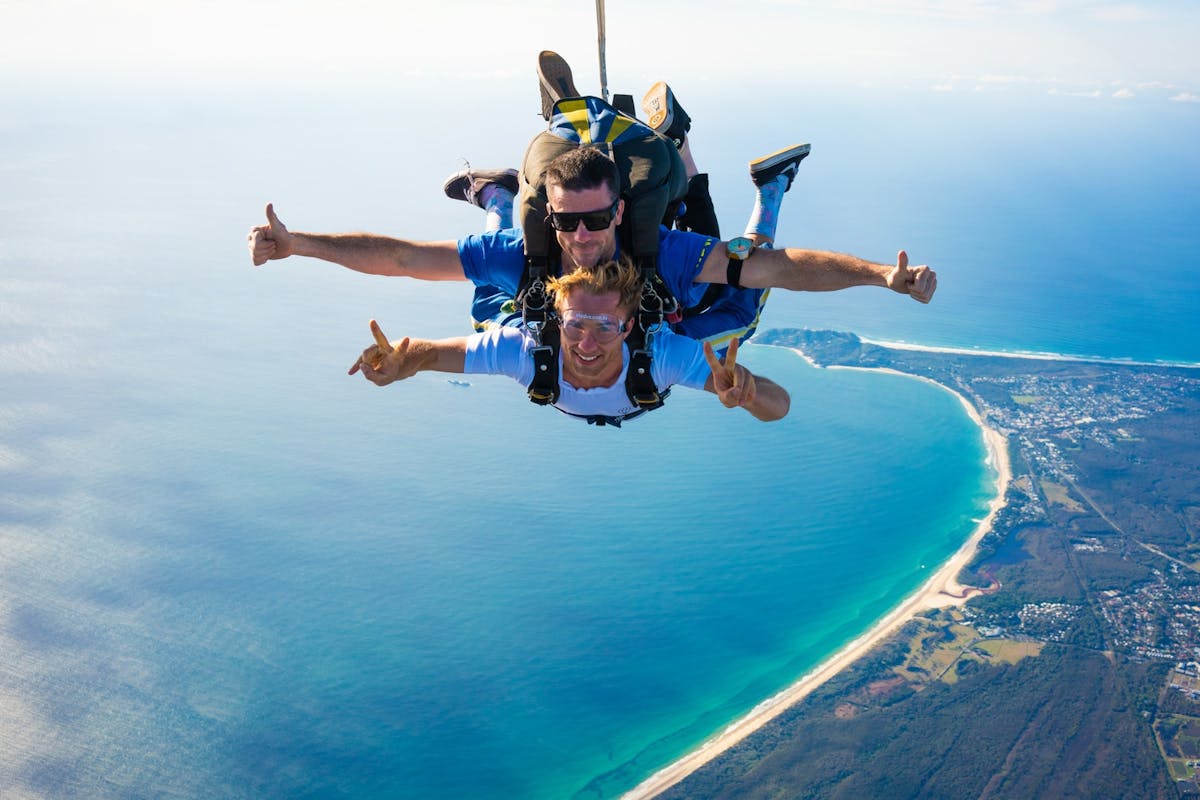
point(583, 168)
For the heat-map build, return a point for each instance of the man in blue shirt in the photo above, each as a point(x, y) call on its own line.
point(584, 210)
point(725, 313)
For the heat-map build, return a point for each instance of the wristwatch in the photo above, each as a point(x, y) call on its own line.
point(738, 250)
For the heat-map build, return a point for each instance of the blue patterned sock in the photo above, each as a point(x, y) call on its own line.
point(498, 203)
point(764, 219)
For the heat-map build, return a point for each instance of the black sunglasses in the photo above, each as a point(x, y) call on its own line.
point(592, 220)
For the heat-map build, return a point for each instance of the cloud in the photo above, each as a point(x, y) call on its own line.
point(1186, 97)
point(1123, 13)
point(1054, 90)
point(1123, 94)
point(1006, 80)
point(12, 460)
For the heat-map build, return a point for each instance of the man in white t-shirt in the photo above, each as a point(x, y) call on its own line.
point(595, 317)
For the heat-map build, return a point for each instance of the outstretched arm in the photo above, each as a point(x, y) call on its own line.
point(363, 252)
point(735, 386)
point(384, 362)
point(822, 271)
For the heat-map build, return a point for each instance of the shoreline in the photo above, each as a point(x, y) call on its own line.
point(942, 589)
point(966, 351)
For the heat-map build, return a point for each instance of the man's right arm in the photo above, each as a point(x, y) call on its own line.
point(362, 252)
point(386, 362)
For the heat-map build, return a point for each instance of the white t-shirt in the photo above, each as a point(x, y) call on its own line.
point(675, 359)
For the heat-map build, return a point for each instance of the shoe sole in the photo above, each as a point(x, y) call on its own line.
point(778, 157)
point(657, 104)
point(554, 77)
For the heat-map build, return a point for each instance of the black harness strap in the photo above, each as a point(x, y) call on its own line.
point(639, 383)
point(537, 314)
point(544, 389)
point(651, 318)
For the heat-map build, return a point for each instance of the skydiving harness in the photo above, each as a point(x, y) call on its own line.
point(653, 181)
point(544, 325)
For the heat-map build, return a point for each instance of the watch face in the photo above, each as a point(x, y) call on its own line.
point(739, 248)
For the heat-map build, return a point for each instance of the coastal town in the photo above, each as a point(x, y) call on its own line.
point(1087, 585)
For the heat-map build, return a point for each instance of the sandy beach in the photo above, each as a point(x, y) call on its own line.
point(942, 589)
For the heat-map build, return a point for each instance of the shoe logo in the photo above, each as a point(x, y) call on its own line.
point(656, 119)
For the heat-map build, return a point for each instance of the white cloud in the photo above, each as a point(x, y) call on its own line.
point(1186, 97)
point(1004, 79)
point(1093, 93)
point(12, 460)
point(1123, 13)
point(1123, 94)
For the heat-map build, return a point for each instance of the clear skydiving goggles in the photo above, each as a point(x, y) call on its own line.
point(604, 328)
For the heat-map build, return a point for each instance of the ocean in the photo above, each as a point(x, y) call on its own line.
point(230, 570)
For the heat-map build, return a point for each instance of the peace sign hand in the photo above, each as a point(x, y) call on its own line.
point(383, 363)
point(733, 384)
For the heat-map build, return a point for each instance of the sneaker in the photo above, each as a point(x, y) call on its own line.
point(554, 80)
point(664, 113)
point(781, 162)
point(467, 184)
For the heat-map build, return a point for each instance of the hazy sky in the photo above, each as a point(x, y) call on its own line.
point(1107, 49)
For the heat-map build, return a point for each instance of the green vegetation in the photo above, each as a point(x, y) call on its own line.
point(1062, 683)
point(1179, 739)
point(1001, 731)
point(1057, 494)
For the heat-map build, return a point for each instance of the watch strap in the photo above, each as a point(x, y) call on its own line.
point(733, 273)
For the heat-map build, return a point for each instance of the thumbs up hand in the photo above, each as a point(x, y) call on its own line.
point(270, 241)
point(919, 283)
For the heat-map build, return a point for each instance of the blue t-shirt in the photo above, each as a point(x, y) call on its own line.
point(497, 258)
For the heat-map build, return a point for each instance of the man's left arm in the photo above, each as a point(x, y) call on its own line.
point(735, 386)
point(821, 271)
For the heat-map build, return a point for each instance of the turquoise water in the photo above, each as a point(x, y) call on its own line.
point(230, 570)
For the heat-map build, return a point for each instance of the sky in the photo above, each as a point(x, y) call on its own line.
point(1106, 50)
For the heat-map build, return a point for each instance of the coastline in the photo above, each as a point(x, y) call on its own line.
point(966, 351)
point(942, 589)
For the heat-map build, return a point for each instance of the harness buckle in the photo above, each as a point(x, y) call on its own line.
point(534, 311)
point(650, 311)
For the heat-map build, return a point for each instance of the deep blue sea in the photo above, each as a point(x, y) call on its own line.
point(229, 570)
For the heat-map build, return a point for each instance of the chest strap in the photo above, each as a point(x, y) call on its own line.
point(543, 389)
point(602, 420)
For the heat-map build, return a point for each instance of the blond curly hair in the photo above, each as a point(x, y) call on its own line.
point(621, 277)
